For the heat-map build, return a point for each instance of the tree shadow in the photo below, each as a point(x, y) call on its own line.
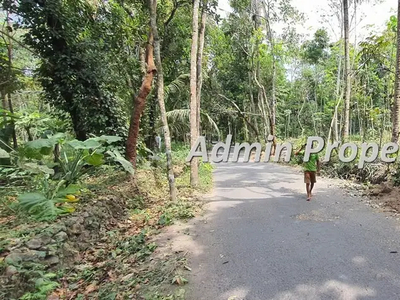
point(260, 239)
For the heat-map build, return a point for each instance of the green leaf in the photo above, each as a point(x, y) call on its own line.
point(96, 159)
point(76, 144)
point(46, 150)
point(91, 143)
point(69, 190)
point(32, 201)
point(88, 144)
point(41, 143)
point(4, 153)
point(121, 160)
point(108, 139)
point(31, 198)
point(58, 137)
point(35, 168)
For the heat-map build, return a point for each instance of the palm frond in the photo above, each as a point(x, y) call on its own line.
point(177, 85)
point(211, 121)
point(179, 120)
point(178, 116)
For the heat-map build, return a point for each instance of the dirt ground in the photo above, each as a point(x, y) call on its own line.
point(386, 196)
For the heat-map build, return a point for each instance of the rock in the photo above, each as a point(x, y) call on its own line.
point(69, 250)
point(34, 244)
point(18, 256)
point(52, 260)
point(386, 189)
point(93, 226)
point(46, 239)
point(61, 236)
point(53, 229)
point(52, 249)
point(11, 270)
point(375, 192)
point(76, 229)
point(14, 258)
point(13, 244)
point(73, 221)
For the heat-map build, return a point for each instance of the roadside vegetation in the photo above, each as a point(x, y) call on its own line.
point(90, 235)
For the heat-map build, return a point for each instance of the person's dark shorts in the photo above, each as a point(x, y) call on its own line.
point(310, 177)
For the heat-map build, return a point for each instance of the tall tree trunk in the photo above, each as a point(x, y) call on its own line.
point(194, 168)
point(272, 116)
point(200, 62)
point(273, 104)
point(140, 102)
point(160, 96)
point(396, 106)
point(253, 108)
point(10, 106)
point(334, 122)
point(254, 18)
point(346, 115)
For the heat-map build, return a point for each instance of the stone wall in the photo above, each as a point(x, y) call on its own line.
point(60, 244)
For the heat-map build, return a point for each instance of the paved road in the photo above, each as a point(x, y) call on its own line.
point(261, 240)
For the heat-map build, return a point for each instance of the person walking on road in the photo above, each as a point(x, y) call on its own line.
point(311, 170)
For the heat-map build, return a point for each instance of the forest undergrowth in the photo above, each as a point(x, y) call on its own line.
point(103, 249)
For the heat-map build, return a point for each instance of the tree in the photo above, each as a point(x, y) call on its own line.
point(272, 105)
point(74, 81)
point(200, 61)
point(140, 101)
point(194, 174)
point(396, 105)
point(6, 95)
point(160, 96)
point(346, 28)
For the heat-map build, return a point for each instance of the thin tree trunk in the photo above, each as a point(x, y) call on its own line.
point(140, 103)
point(14, 135)
point(253, 108)
point(160, 96)
point(346, 115)
point(200, 63)
point(273, 105)
point(261, 98)
point(4, 105)
point(10, 106)
point(396, 106)
point(194, 169)
point(254, 18)
point(334, 124)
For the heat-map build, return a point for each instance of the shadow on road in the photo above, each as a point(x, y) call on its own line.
point(260, 239)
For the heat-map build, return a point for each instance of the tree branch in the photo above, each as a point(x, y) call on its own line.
point(241, 113)
point(18, 42)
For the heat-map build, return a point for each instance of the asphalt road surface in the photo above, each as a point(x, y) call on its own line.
point(261, 240)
